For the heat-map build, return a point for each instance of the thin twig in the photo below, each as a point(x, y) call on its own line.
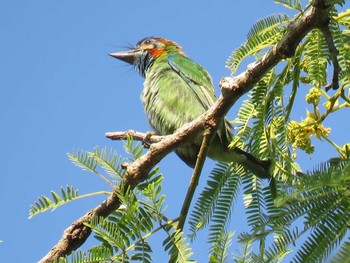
point(208, 136)
point(334, 55)
point(332, 101)
point(137, 136)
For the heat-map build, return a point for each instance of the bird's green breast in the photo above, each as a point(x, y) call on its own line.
point(169, 98)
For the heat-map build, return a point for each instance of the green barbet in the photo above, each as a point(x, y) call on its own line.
point(176, 91)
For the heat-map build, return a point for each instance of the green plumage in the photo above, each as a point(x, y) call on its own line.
point(176, 91)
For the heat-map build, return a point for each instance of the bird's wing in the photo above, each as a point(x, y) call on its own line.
point(201, 85)
point(197, 78)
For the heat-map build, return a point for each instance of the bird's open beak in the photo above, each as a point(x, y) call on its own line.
point(127, 56)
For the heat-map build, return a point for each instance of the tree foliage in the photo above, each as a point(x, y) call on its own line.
point(310, 217)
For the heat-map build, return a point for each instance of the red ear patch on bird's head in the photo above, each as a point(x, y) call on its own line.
point(153, 49)
point(154, 53)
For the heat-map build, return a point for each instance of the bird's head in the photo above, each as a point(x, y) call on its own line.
point(146, 52)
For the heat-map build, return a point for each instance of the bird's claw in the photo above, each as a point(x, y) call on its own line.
point(146, 141)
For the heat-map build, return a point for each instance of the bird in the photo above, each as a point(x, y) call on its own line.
point(176, 91)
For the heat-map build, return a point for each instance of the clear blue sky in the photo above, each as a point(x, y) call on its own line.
point(60, 91)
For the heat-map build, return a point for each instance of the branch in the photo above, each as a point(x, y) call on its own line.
point(232, 89)
point(137, 136)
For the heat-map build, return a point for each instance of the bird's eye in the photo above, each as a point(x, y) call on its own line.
point(147, 42)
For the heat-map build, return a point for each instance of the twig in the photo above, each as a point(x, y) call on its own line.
point(343, 96)
point(334, 55)
point(138, 136)
point(332, 101)
point(208, 135)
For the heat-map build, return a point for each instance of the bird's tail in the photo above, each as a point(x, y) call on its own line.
point(258, 167)
point(261, 168)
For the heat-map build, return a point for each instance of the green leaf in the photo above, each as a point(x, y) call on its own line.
point(316, 56)
point(83, 160)
point(264, 33)
point(291, 4)
point(266, 24)
point(216, 199)
point(177, 247)
point(44, 203)
point(343, 254)
point(109, 161)
point(95, 254)
point(134, 150)
point(219, 250)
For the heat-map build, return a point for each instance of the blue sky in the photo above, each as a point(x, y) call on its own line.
point(60, 91)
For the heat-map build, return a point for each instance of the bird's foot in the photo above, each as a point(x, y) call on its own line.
point(147, 139)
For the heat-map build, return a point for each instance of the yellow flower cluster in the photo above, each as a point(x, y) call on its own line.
point(313, 97)
point(299, 133)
